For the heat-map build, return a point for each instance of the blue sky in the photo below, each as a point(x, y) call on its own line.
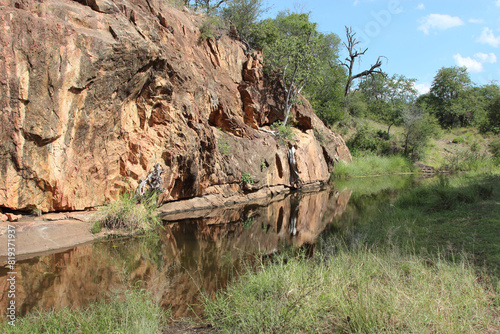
point(417, 37)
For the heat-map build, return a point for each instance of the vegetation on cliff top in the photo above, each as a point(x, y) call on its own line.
point(309, 62)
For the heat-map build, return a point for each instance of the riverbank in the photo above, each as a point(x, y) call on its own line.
point(425, 262)
point(357, 290)
point(56, 232)
point(390, 237)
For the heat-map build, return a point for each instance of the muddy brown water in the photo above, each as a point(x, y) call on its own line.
point(188, 256)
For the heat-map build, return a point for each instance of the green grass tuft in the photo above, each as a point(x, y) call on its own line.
point(373, 165)
point(356, 291)
point(128, 214)
point(131, 312)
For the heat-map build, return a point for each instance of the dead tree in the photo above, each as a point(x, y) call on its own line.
point(351, 59)
point(151, 184)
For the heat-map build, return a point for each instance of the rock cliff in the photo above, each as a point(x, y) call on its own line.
point(94, 93)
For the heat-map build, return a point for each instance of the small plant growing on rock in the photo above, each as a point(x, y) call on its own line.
point(284, 133)
point(36, 212)
point(247, 223)
point(224, 146)
point(246, 178)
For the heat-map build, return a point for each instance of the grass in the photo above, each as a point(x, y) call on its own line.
point(425, 262)
point(462, 148)
point(373, 165)
point(128, 214)
point(448, 217)
point(131, 312)
point(357, 291)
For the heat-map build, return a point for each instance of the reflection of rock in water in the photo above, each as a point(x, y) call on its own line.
point(190, 255)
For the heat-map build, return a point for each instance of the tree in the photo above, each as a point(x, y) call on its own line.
point(326, 94)
point(351, 44)
point(207, 5)
point(419, 127)
point(388, 97)
point(243, 15)
point(291, 46)
point(494, 115)
point(489, 120)
point(448, 93)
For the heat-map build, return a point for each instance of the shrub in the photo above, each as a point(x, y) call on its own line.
point(246, 178)
point(383, 135)
point(366, 140)
point(243, 14)
point(127, 214)
point(284, 132)
point(212, 28)
point(494, 147)
point(247, 223)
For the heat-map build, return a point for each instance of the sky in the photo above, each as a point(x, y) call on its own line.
point(417, 37)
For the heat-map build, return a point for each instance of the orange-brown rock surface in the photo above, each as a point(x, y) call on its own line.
point(94, 93)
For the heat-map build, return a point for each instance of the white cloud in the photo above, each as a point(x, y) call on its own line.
point(422, 88)
point(498, 3)
point(473, 20)
point(488, 37)
point(421, 6)
point(475, 65)
point(439, 22)
point(486, 57)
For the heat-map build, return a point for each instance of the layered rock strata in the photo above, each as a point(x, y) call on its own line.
point(94, 93)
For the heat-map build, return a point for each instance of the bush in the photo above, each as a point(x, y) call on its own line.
point(212, 28)
point(494, 147)
point(127, 214)
point(246, 178)
point(243, 14)
point(356, 104)
point(383, 135)
point(224, 146)
point(284, 132)
point(366, 140)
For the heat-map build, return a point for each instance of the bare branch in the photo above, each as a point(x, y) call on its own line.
point(351, 59)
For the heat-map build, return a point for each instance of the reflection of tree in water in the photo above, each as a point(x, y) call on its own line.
point(187, 256)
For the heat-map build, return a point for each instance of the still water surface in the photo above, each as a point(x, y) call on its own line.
point(193, 254)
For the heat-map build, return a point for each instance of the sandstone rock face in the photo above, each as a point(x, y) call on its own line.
point(94, 93)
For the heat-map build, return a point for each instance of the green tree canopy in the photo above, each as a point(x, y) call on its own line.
point(293, 50)
point(388, 97)
point(450, 96)
point(243, 15)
